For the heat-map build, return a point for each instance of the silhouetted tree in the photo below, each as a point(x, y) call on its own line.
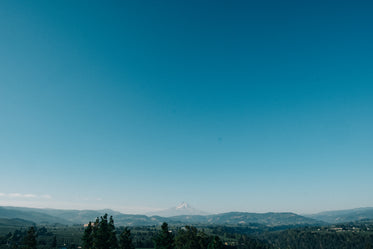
point(164, 239)
point(100, 235)
point(113, 241)
point(215, 243)
point(54, 242)
point(125, 240)
point(88, 237)
point(30, 239)
point(187, 238)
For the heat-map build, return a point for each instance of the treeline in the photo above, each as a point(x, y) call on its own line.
point(187, 237)
point(102, 235)
point(27, 239)
point(311, 238)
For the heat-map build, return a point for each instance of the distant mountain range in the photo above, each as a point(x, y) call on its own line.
point(70, 217)
point(15, 223)
point(40, 216)
point(184, 215)
point(243, 218)
point(342, 216)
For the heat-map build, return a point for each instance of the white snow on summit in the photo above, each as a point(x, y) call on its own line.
point(183, 205)
point(182, 209)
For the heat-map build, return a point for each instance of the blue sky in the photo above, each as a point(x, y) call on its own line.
point(229, 105)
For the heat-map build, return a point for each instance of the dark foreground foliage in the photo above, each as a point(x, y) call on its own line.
point(103, 234)
point(321, 239)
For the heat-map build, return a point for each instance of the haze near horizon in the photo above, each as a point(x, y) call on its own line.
point(231, 106)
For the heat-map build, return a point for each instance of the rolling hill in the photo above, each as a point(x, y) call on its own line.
point(243, 218)
point(34, 215)
point(341, 216)
point(69, 217)
point(15, 222)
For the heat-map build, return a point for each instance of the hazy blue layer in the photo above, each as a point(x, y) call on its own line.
point(229, 105)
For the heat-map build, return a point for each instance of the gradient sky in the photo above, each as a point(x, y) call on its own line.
point(228, 105)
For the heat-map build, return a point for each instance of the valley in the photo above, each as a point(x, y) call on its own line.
point(236, 230)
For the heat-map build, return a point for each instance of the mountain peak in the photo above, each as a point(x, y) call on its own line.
point(183, 205)
point(182, 209)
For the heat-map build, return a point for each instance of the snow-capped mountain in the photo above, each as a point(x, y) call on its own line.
point(182, 209)
point(184, 206)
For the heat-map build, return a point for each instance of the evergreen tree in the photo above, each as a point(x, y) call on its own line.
point(164, 239)
point(88, 237)
point(95, 231)
point(16, 238)
point(215, 243)
point(100, 235)
point(101, 238)
point(203, 239)
point(187, 238)
point(113, 242)
point(30, 239)
point(190, 238)
point(54, 242)
point(125, 240)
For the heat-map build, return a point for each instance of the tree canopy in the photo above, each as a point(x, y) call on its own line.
point(164, 239)
point(30, 239)
point(101, 234)
point(125, 240)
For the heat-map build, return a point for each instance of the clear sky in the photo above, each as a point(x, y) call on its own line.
point(228, 105)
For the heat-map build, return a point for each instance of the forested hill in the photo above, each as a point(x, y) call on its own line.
point(341, 216)
point(243, 218)
point(15, 223)
point(68, 217)
point(33, 215)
